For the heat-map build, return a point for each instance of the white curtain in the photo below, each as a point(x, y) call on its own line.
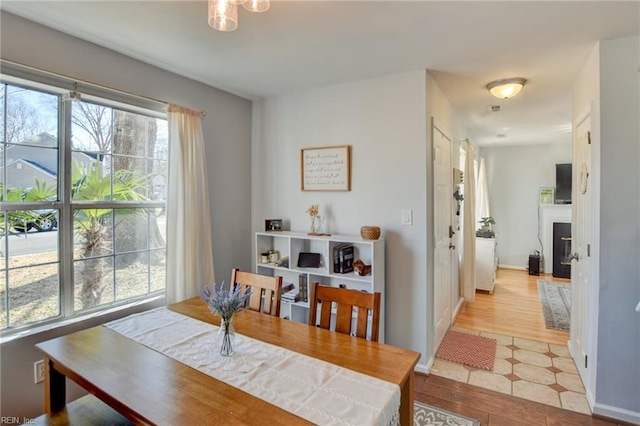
point(482, 193)
point(189, 248)
point(469, 228)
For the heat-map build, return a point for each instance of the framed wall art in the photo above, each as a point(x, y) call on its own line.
point(325, 168)
point(547, 195)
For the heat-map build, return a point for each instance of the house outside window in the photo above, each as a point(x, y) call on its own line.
point(82, 204)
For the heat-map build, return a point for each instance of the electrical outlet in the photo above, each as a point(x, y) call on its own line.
point(38, 371)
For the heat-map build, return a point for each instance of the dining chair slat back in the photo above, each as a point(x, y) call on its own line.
point(265, 291)
point(367, 306)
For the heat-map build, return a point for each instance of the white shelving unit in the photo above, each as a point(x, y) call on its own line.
point(291, 244)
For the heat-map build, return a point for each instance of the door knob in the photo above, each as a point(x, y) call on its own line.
point(574, 256)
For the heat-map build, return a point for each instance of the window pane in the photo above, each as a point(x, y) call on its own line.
point(33, 237)
point(93, 233)
point(29, 152)
point(91, 177)
point(158, 269)
point(132, 275)
point(161, 148)
point(34, 294)
point(132, 230)
point(31, 116)
point(159, 174)
point(29, 167)
point(93, 282)
point(91, 127)
point(158, 228)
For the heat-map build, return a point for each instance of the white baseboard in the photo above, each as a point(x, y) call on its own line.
point(422, 368)
point(519, 268)
point(456, 311)
point(616, 413)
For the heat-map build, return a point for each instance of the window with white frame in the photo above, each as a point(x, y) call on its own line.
point(82, 204)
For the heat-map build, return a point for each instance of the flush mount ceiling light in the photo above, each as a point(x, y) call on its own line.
point(223, 14)
point(505, 89)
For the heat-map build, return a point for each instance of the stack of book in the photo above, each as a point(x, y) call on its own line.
point(343, 259)
point(291, 296)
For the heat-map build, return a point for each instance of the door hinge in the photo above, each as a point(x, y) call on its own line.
point(586, 358)
point(588, 250)
point(589, 137)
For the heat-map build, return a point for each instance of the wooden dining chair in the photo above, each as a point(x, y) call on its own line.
point(346, 300)
point(265, 291)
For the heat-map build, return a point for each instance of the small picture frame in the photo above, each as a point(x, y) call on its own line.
point(273, 225)
point(547, 195)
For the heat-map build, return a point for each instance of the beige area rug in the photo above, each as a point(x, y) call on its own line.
point(556, 304)
point(427, 415)
point(468, 349)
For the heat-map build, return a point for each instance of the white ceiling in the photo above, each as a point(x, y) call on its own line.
point(297, 45)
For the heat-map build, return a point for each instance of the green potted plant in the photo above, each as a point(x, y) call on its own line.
point(485, 230)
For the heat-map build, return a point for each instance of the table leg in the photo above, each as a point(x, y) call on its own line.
point(406, 402)
point(55, 388)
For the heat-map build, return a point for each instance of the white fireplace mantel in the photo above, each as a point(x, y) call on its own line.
point(550, 214)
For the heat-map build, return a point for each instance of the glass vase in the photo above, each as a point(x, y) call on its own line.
point(312, 231)
point(226, 337)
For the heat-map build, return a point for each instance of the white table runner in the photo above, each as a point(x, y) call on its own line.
point(317, 391)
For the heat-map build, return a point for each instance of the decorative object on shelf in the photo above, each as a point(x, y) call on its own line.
point(309, 260)
point(325, 168)
point(319, 225)
point(485, 230)
point(273, 256)
point(264, 257)
point(223, 14)
point(547, 195)
point(362, 269)
point(313, 212)
point(273, 225)
point(370, 232)
point(226, 303)
point(283, 262)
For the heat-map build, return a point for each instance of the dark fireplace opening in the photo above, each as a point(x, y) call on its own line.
point(562, 250)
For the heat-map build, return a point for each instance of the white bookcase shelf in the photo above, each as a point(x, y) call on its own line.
point(291, 244)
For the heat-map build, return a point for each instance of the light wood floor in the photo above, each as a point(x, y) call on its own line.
point(513, 309)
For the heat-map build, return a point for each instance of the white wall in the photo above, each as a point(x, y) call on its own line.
point(515, 174)
point(383, 119)
point(227, 134)
point(618, 369)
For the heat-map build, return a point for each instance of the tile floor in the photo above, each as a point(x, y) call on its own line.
point(537, 371)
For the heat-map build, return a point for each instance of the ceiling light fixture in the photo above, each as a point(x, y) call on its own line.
point(505, 89)
point(223, 14)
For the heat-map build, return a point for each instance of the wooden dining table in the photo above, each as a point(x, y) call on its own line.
point(148, 387)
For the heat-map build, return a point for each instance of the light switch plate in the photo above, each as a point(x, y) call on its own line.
point(406, 217)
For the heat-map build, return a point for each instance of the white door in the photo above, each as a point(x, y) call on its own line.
point(581, 238)
point(442, 194)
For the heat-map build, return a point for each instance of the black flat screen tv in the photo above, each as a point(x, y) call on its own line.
point(563, 184)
